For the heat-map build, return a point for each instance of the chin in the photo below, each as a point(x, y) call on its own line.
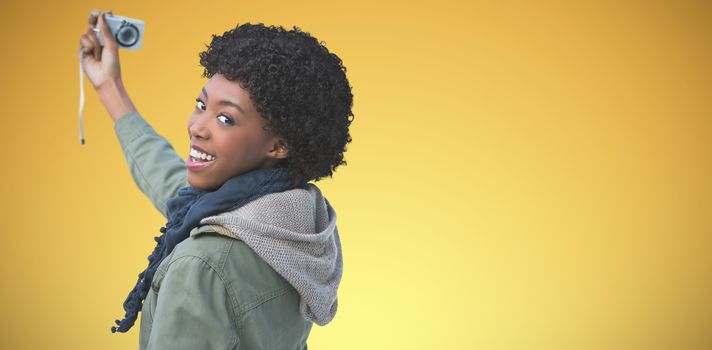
point(200, 184)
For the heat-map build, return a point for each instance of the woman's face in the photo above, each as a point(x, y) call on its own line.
point(226, 126)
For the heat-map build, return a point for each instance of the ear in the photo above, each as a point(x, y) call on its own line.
point(279, 149)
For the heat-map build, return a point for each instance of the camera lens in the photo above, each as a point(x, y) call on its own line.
point(127, 35)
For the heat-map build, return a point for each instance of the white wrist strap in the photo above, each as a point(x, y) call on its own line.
point(81, 99)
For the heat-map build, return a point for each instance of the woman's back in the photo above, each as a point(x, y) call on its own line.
point(214, 292)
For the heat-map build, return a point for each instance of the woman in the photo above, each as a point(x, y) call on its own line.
point(250, 256)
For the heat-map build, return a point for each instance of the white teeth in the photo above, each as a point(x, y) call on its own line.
point(200, 155)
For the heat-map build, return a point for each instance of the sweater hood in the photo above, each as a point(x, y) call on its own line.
point(295, 232)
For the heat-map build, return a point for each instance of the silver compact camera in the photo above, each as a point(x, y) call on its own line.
point(128, 32)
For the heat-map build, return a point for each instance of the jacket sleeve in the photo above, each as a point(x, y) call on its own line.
point(154, 165)
point(193, 309)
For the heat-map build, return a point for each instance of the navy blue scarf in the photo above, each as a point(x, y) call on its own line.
point(185, 211)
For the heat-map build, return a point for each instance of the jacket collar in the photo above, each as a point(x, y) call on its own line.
point(212, 228)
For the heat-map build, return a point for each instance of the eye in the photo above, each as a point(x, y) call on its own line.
point(198, 103)
point(227, 119)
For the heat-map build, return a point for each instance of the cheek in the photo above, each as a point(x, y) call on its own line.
point(234, 147)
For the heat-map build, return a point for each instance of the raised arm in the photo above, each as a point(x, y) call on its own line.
point(154, 165)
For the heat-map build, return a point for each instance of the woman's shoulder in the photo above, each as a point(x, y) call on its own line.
point(243, 272)
point(207, 246)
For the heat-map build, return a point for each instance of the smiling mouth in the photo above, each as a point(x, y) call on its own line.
point(197, 164)
point(198, 160)
point(198, 156)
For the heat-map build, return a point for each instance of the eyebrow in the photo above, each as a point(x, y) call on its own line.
point(226, 103)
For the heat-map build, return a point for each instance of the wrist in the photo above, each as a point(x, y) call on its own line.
point(115, 99)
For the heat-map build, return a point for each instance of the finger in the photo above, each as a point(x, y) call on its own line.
point(86, 45)
point(93, 16)
point(94, 47)
point(97, 46)
point(90, 32)
point(106, 32)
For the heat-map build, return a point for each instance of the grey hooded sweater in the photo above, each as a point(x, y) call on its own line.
point(295, 232)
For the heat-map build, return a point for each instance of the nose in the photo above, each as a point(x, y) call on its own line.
point(198, 127)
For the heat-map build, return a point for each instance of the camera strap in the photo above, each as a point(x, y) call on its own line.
point(81, 99)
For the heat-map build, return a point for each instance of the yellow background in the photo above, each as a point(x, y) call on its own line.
point(523, 175)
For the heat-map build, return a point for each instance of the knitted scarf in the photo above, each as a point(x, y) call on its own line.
point(184, 213)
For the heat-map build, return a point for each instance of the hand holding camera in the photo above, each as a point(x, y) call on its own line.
point(99, 59)
point(100, 64)
point(100, 44)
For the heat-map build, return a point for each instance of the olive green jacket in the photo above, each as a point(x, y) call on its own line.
point(213, 291)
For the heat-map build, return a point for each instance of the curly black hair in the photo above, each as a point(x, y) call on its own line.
point(296, 84)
